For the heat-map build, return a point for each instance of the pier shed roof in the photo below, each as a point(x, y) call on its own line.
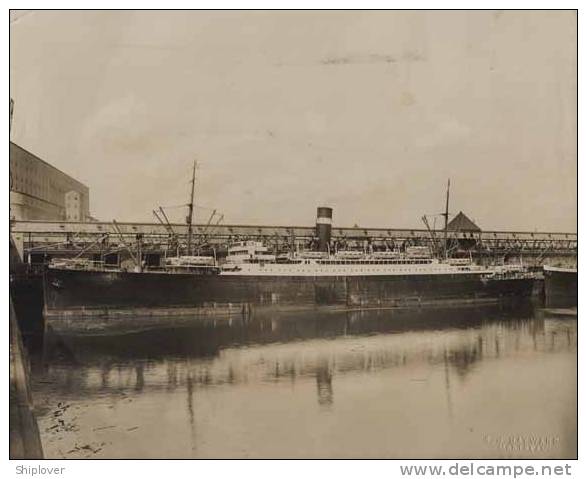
point(462, 223)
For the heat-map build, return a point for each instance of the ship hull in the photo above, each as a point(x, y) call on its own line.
point(26, 292)
point(94, 300)
point(560, 287)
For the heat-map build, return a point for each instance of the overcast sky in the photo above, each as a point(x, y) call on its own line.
point(366, 112)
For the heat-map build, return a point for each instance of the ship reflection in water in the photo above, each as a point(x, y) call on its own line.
point(492, 382)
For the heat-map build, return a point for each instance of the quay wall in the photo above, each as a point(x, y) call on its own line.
point(25, 441)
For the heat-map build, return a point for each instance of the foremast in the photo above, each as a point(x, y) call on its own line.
point(190, 217)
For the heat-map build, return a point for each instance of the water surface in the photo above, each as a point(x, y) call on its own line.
point(492, 382)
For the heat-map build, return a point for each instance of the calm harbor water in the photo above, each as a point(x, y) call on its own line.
point(493, 382)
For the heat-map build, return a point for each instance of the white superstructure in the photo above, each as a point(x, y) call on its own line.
point(559, 269)
point(187, 264)
point(247, 252)
point(252, 258)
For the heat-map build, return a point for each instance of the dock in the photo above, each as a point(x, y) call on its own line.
point(39, 239)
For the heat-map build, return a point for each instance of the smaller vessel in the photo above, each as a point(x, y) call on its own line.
point(560, 286)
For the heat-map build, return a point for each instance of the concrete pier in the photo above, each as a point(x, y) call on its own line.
point(25, 441)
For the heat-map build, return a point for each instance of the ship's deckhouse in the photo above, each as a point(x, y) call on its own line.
point(252, 258)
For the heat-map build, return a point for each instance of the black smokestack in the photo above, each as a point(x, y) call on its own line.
point(323, 227)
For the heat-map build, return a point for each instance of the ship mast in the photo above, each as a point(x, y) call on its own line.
point(190, 217)
point(445, 214)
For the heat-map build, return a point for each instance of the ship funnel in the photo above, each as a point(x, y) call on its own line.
point(323, 227)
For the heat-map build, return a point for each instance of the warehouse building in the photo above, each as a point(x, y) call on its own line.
point(39, 191)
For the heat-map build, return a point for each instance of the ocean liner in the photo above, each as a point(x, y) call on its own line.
point(252, 279)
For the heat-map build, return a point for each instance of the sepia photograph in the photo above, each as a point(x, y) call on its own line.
point(293, 234)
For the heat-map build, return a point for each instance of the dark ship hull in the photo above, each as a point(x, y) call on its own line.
point(27, 297)
point(26, 292)
point(98, 300)
point(560, 287)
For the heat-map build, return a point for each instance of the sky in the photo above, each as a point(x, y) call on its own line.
point(367, 112)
